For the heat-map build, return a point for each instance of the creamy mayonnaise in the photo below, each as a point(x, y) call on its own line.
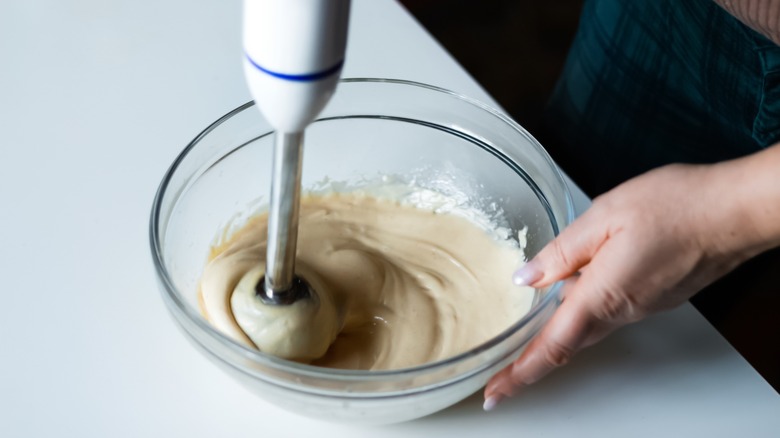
point(397, 285)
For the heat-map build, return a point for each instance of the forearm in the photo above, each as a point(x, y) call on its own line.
point(749, 193)
point(763, 16)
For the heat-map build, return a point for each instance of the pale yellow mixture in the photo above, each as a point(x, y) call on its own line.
point(397, 286)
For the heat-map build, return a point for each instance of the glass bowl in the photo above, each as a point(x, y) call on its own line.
point(372, 128)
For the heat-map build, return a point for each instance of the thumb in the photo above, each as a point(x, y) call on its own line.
point(566, 254)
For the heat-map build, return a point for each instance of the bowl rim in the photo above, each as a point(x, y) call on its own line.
point(172, 296)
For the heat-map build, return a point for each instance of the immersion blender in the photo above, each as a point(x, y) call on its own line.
point(293, 54)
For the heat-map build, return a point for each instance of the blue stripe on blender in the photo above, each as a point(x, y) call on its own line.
point(310, 77)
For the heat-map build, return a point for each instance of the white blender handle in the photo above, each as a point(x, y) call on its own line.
point(293, 54)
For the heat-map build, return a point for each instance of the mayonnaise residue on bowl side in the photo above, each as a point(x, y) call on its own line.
point(399, 284)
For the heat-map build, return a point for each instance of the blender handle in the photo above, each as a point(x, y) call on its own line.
point(293, 56)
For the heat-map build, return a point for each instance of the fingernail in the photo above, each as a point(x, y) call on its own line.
point(491, 402)
point(528, 274)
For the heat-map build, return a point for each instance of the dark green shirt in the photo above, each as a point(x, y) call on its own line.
point(651, 82)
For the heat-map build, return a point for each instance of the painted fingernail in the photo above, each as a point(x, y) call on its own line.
point(528, 274)
point(491, 402)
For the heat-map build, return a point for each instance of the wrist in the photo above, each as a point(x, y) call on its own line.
point(746, 207)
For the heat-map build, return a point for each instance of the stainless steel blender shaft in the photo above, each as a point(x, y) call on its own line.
point(283, 214)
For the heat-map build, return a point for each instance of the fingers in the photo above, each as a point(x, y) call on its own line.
point(572, 328)
point(566, 254)
point(498, 388)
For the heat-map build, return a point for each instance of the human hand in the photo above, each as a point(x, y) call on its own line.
point(648, 245)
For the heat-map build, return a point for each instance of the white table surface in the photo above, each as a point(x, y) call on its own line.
point(96, 99)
